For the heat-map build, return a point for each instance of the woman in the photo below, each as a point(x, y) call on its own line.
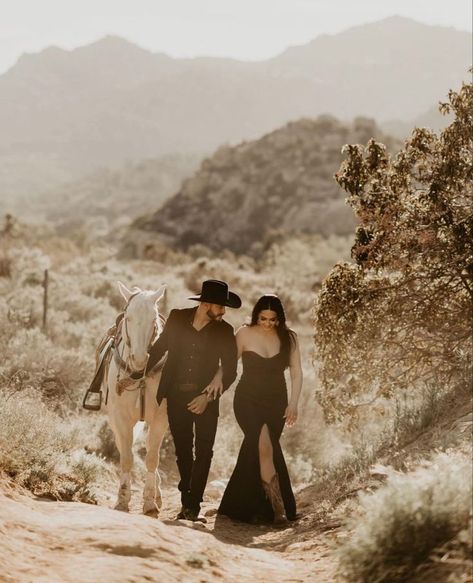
point(259, 488)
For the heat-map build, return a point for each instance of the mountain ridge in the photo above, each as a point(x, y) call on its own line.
point(118, 41)
point(64, 113)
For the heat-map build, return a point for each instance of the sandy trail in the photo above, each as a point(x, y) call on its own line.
point(45, 541)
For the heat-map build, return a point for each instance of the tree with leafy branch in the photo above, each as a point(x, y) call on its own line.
point(399, 317)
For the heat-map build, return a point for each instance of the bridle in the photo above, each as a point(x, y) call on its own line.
point(124, 380)
point(123, 337)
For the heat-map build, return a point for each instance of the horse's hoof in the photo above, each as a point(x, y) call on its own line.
point(121, 508)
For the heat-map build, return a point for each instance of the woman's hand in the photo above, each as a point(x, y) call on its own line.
point(215, 388)
point(198, 404)
point(290, 414)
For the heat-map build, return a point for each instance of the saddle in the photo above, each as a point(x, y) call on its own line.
point(103, 354)
point(93, 397)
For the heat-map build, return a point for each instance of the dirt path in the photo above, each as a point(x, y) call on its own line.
point(44, 541)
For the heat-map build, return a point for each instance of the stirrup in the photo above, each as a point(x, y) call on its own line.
point(92, 400)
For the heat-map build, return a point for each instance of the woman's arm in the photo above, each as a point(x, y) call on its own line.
point(240, 339)
point(215, 388)
point(295, 371)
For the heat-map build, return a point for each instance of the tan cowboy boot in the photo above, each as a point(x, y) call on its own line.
point(273, 493)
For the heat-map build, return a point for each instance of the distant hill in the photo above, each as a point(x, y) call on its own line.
point(432, 119)
point(117, 197)
point(392, 68)
point(64, 113)
point(243, 196)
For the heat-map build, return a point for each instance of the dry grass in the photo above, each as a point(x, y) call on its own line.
point(42, 452)
point(360, 461)
point(404, 522)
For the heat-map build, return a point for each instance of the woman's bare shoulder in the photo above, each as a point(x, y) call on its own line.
point(293, 338)
point(243, 331)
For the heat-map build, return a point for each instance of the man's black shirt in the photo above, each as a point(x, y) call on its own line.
point(193, 356)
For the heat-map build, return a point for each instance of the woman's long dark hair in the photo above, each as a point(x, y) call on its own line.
point(286, 336)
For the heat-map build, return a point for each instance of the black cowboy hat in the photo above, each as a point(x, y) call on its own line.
point(217, 292)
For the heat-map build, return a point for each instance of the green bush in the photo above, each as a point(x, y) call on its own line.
point(403, 522)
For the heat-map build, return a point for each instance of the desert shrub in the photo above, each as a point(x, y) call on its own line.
point(349, 464)
point(451, 562)
point(311, 444)
point(294, 267)
point(82, 335)
point(24, 305)
point(79, 307)
point(28, 265)
point(339, 479)
point(399, 317)
point(415, 413)
point(5, 259)
point(403, 522)
point(304, 259)
point(45, 367)
point(88, 468)
point(41, 451)
point(107, 447)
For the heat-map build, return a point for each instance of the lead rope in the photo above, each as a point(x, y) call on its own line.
point(122, 385)
point(126, 382)
point(142, 386)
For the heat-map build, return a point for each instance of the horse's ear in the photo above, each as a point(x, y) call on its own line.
point(159, 294)
point(126, 293)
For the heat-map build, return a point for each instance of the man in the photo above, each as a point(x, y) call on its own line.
point(197, 342)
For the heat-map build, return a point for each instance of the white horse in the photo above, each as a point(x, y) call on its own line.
point(129, 400)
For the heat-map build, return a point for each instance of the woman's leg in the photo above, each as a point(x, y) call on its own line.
point(269, 476)
point(266, 457)
point(244, 498)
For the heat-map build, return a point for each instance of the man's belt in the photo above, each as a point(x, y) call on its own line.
point(187, 387)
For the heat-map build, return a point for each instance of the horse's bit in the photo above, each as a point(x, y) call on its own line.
point(128, 383)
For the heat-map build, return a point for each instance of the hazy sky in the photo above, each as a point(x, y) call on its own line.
point(244, 29)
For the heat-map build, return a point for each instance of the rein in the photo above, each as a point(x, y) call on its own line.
point(122, 364)
point(126, 383)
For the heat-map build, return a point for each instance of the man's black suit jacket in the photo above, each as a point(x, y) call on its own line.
point(220, 347)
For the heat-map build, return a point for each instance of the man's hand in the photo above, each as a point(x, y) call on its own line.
point(215, 388)
point(198, 404)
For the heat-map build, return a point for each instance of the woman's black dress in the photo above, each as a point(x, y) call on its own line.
point(260, 398)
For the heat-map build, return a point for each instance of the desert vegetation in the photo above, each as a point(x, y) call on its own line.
point(413, 517)
point(394, 326)
point(409, 291)
point(380, 450)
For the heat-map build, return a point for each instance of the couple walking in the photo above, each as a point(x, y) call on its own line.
point(202, 353)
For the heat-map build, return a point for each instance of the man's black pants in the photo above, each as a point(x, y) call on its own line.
point(184, 425)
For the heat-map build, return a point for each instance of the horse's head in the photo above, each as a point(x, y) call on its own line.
point(141, 322)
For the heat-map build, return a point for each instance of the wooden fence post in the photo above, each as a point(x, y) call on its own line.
point(45, 299)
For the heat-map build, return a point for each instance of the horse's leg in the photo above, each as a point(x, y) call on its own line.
point(152, 497)
point(124, 439)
